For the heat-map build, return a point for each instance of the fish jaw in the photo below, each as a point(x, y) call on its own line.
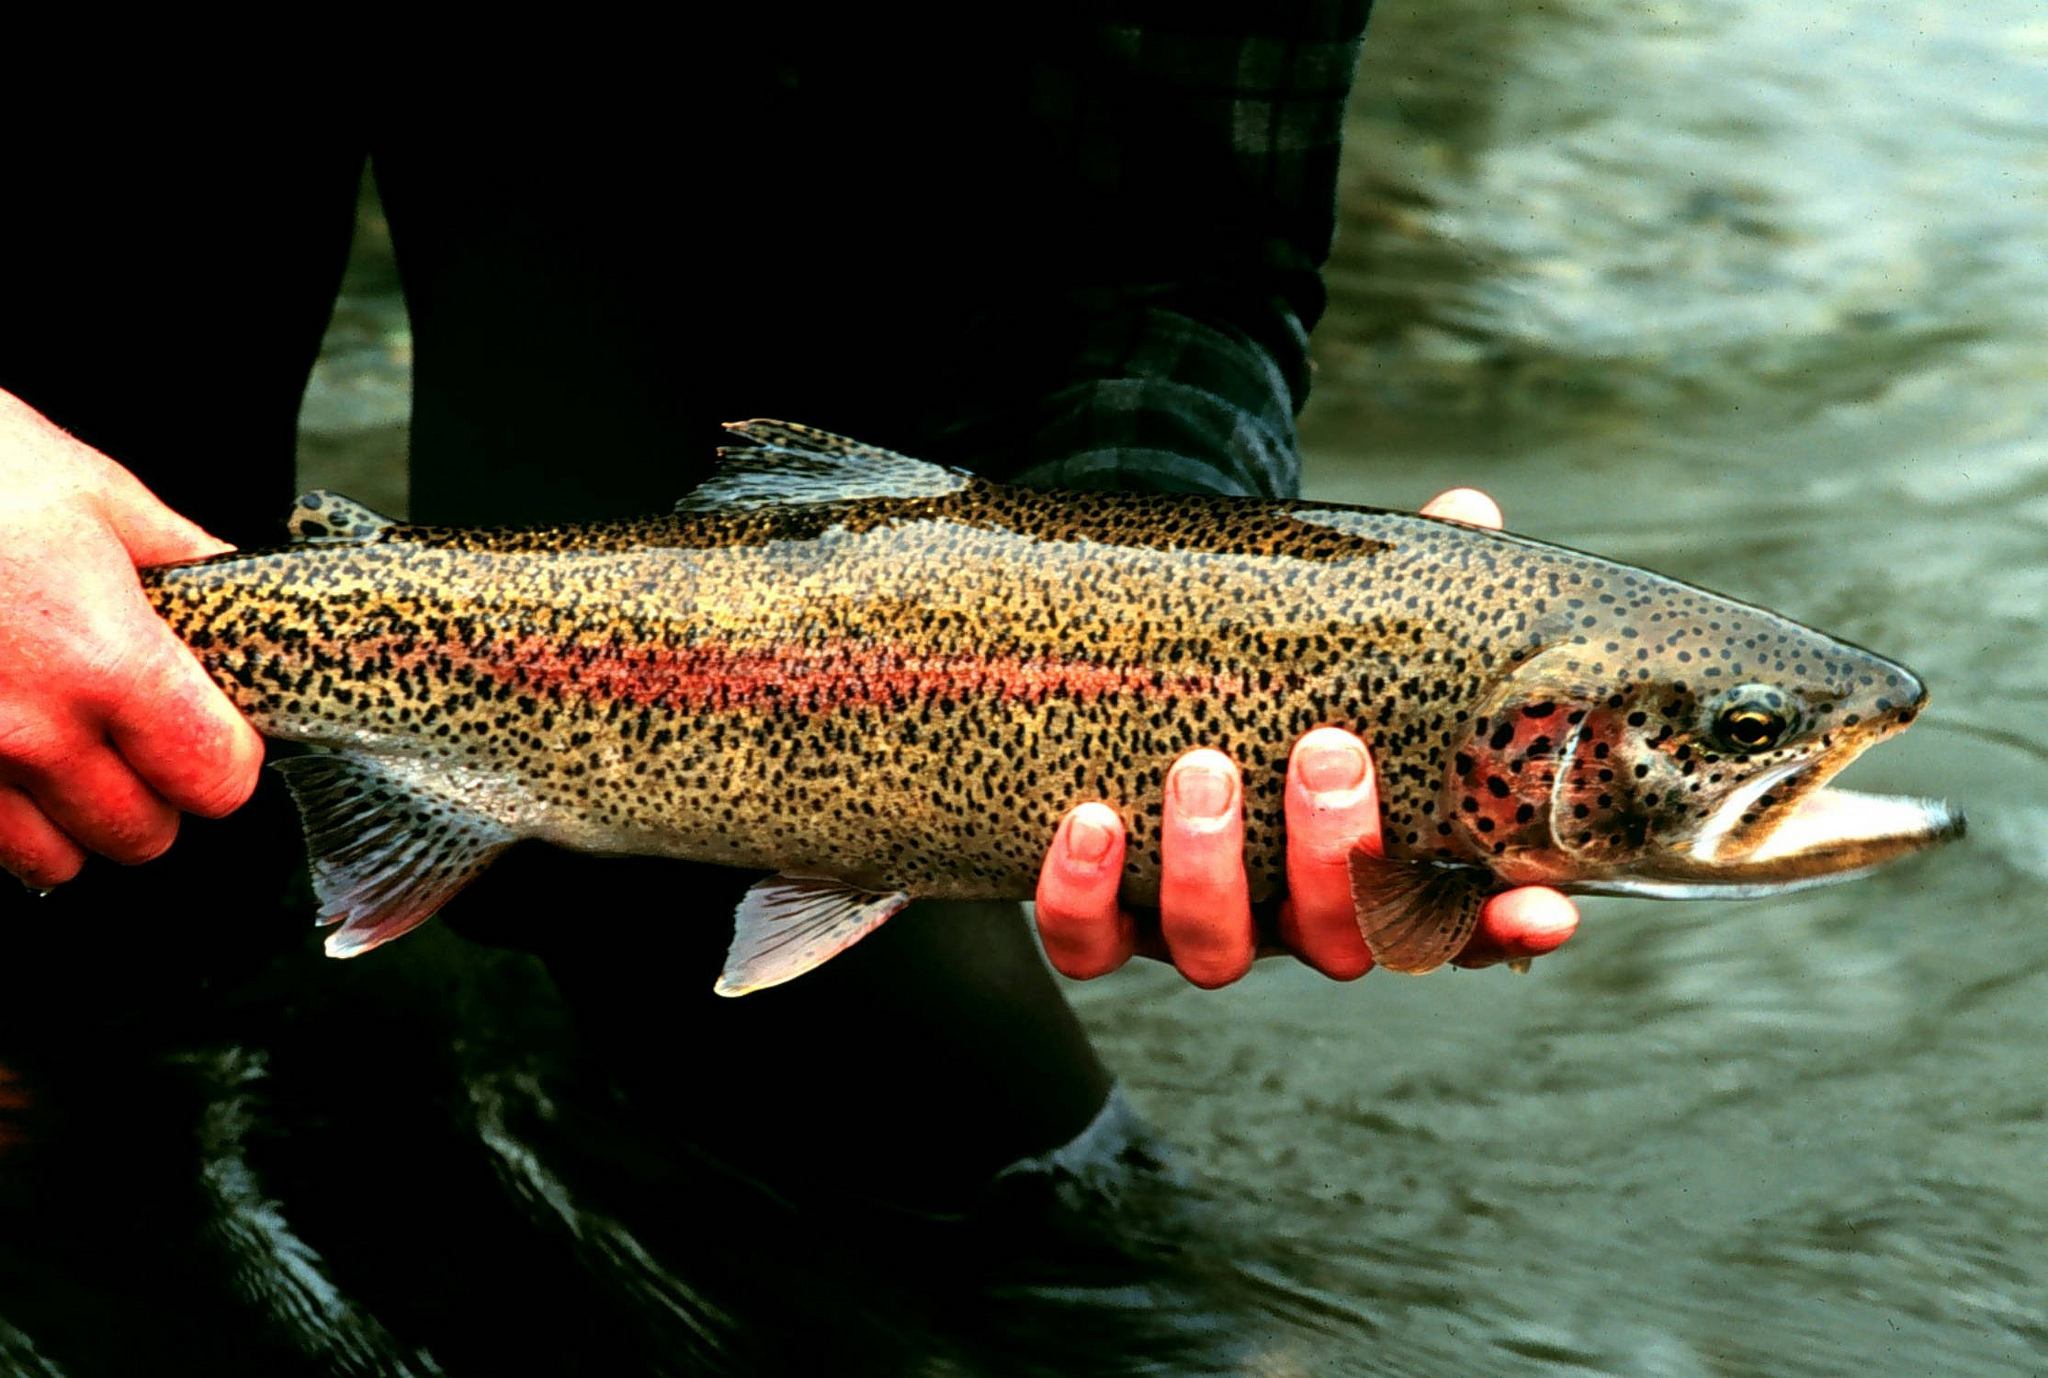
point(1829, 835)
point(1789, 829)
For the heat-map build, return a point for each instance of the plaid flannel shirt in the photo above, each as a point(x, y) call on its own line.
point(1203, 143)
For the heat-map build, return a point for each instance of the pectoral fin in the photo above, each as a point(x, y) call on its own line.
point(787, 925)
point(385, 850)
point(1415, 915)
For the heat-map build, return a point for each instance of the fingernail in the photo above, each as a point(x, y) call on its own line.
point(1201, 792)
point(1087, 840)
point(1329, 769)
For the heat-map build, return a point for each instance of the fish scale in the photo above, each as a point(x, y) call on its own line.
point(839, 664)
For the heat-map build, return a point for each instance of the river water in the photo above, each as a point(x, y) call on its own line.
point(1754, 293)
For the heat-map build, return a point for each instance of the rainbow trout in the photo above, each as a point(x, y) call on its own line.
point(879, 678)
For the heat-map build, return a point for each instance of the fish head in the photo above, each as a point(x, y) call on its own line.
point(1689, 766)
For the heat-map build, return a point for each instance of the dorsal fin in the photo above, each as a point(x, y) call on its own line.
point(324, 516)
point(784, 463)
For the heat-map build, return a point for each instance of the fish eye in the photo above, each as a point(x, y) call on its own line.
point(1753, 717)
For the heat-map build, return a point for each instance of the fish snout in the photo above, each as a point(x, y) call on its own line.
point(1881, 699)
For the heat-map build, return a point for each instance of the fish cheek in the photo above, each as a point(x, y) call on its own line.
point(1631, 786)
point(1496, 804)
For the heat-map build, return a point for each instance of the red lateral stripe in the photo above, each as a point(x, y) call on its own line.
point(709, 677)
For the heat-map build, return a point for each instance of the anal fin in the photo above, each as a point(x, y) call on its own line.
point(787, 925)
point(1415, 915)
point(385, 851)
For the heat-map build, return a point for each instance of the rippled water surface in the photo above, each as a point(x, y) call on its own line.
point(1755, 294)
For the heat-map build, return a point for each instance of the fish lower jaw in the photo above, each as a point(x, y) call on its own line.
point(1861, 829)
point(1828, 834)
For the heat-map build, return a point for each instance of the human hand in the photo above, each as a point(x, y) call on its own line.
point(108, 727)
point(1205, 926)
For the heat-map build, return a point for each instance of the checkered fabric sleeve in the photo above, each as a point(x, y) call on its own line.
point(1198, 147)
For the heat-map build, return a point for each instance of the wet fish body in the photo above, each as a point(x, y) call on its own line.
point(879, 678)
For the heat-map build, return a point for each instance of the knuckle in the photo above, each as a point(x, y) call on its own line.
point(33, 745)
point(109, 671)
point(205, 761)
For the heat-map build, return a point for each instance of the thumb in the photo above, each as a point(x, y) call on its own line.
point(70, 470)
point(152, 533)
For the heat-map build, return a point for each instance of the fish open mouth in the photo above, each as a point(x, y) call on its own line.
point(1789, 828)
point(1841, 828)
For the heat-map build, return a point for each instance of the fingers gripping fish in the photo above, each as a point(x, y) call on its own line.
point(879, 678)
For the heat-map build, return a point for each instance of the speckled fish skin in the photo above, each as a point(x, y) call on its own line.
point(908, 692)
